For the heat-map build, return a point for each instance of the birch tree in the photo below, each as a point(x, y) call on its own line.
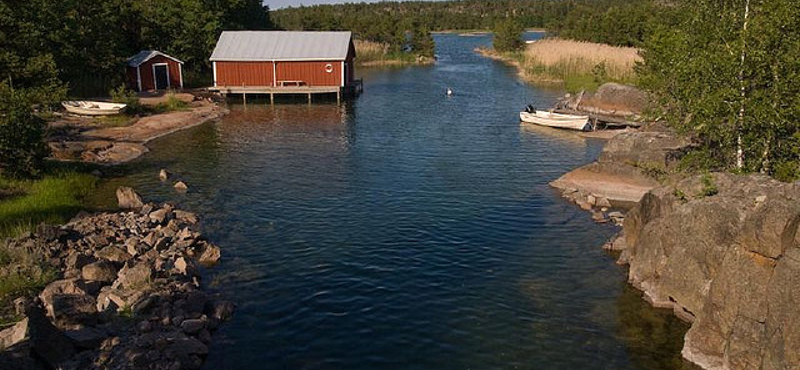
point(727, 75)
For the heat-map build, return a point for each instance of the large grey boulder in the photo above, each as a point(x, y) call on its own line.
point(127, 198)
point(610, 99)
point(14, 335)
point(136, 276)
point(102, 271)
point(631, 164)
point(723, 251)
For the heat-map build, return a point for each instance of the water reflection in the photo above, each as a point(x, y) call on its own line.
point(571, 138)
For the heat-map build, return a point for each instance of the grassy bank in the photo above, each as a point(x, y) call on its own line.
point(24, 204)
point(53, 199)
point(578, 65)
point(376, 54)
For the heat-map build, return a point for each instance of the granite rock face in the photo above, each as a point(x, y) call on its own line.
point(630, 165)
point(610, 99)
point(723, 251)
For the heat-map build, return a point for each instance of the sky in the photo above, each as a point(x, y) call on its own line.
point(276, 4)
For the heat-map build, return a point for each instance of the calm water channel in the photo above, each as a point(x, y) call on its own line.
point(407, 230)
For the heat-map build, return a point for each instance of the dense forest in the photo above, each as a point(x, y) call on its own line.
point(77, 44)
point(618, 22)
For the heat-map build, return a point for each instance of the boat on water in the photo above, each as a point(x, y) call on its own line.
point(557, 120)
point(92, 108)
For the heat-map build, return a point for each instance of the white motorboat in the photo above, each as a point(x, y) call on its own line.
point(557, 120)
point(92, 108)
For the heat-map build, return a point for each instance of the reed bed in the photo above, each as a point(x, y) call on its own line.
point(577, 64)
point(370, 53)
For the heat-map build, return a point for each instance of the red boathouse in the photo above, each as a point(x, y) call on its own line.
point(284, 62)
point(154, 70)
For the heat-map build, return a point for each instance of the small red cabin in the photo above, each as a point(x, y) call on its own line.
point(275, 59)
point(154, 70)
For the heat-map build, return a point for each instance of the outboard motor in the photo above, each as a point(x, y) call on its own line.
point(530, 109)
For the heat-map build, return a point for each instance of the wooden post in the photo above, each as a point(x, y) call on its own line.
point(271, 98)
point(309, 98)
point(339, 97)
point(244, 98)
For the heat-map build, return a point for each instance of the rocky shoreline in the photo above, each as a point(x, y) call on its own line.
point(721, 250)
point(127, 294)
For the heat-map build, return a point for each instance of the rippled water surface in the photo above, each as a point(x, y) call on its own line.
point(407, 230)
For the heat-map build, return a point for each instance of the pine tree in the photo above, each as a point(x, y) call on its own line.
point(508, 36)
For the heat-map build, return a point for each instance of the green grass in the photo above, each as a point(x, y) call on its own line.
point(24, 204)
point(52, 199)
point(172, 104)
point(22, 273)
point(574, 74)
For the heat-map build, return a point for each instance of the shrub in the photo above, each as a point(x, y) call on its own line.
point(125, 96)
point(508, 36)
point(22, 146)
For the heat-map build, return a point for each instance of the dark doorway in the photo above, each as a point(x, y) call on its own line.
point(162, 77)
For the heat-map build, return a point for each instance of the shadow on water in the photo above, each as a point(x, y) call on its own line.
point(654, 337)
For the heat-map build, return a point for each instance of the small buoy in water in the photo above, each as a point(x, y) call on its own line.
point(163, 175)
point(449, 92)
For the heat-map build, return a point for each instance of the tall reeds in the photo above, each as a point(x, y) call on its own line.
point(579, 64)
point(370, 53)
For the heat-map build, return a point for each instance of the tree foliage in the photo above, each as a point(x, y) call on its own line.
point(617, 22)
point(22, 147)
point(422, 42)
point(727, 74)
point(91, 39)
point(508, 36)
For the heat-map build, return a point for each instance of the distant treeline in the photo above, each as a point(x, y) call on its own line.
point(45, 44)
point(617, 22)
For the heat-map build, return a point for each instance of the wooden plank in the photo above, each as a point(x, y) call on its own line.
point(276, 90)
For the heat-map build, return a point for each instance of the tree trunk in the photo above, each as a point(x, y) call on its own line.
point(742, 91)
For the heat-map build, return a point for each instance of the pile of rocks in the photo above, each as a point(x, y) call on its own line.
point(599, 206)
point(128, 294)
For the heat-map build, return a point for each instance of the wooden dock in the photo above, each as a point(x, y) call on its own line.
point(289, 90)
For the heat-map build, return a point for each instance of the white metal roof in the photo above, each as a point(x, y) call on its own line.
point(146, 55)
point(251, 46)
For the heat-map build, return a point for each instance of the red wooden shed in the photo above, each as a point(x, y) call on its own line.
point(154, 70)
point(283, 59)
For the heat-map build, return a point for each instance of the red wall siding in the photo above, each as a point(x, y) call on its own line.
point(311, 73)
point(148, 80)
point(244, 73)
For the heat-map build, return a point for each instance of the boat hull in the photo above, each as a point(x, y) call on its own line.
point(91, 108)
point(565, 121)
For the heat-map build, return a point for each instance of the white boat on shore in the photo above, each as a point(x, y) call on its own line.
point(557, 120)
point(92, 108)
